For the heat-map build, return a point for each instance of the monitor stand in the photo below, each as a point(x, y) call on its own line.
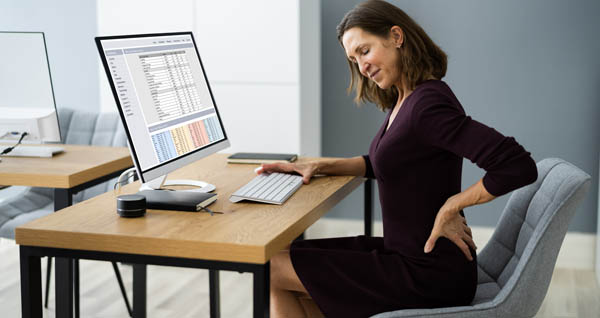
point(159, 182)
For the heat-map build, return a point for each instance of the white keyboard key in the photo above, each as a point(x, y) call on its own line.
point(264, 180)
point(273, 188)
point(249, 185)
point(291, 187)
point(266, 188)
point(277, 187)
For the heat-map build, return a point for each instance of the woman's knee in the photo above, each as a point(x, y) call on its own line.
point(278, 268)
point(283, 275)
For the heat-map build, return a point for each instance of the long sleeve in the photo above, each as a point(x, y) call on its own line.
point(369, 168)
point(439, 121)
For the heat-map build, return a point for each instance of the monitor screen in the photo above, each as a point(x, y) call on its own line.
point(164, 98)
point(27, 97)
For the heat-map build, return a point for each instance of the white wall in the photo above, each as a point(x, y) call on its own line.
point(136, 17)
point(262, 59)
point(250, 50)
point(69, 27)
point(251, 54)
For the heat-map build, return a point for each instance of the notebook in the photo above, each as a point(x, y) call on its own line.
point(177, 200)
point(255, 157)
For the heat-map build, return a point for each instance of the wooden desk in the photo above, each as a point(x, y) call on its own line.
point(76, 169)
point(243, 239)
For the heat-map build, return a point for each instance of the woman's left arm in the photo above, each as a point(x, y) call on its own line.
point(453, 226)
point(438, 121)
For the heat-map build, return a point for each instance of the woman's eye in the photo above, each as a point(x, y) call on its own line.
point(365, 52)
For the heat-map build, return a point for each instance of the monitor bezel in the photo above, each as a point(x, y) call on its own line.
point(175, 163)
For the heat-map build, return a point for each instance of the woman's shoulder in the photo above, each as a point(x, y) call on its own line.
point(432, 92)
point(433, 95)
point(432, 88)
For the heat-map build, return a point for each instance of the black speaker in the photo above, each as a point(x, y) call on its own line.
point(131, 205)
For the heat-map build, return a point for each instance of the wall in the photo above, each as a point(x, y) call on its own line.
point(251, 55)
point(69, 27)
point(251, 59)
point(263, 85)
point(137, 17)
point(529, 69)
point(310, 77)
point(597, 265)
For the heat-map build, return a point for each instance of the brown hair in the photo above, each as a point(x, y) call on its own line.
point(420, 58)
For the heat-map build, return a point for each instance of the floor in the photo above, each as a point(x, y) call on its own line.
point(181, 292)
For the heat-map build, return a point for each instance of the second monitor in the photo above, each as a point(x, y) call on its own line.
point(165, 102)
point(27, 106)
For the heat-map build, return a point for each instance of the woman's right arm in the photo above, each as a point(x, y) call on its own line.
point(354, 166)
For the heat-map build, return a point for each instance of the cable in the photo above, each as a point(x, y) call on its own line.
point(210, 211)
point(9, 149)
point(207, 210)
point(129, 173)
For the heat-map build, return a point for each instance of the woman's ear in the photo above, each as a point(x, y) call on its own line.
point(397, 36)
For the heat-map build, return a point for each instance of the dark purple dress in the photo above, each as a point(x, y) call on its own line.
point(418, 166)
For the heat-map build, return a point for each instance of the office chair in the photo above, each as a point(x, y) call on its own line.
point(516, 265)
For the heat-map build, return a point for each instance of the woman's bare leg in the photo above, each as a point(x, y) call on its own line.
point(287, 289)
point(310, 308)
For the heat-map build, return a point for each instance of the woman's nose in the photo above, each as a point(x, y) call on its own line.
point(364, 68)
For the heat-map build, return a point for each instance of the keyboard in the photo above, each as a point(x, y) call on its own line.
point(274, 188)
point(33, 151)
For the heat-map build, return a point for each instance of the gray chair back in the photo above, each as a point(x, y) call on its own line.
point(80, 128)
point(516, 265)
point(98, 129)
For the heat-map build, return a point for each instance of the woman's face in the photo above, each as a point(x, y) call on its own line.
point(376, 57)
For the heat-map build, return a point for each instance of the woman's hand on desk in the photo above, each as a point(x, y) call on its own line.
point(306, 170)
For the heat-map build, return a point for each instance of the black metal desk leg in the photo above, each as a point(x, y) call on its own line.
point(48, 275)
point(62, 198)
point(76, 285)
point(214, 293)
point(122, 287)
point(64, 287)
point(139, 290)
point(31, 284)
point(261, 286)
point(369, 207)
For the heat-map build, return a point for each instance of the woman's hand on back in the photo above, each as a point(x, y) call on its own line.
point(306, 170)
point(453, 226)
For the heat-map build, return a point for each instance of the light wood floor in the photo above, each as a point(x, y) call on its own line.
point(181, 292)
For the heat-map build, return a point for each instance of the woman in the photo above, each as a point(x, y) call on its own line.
point(426, 257)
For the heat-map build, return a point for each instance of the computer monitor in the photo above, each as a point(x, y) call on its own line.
point(27, 97)
point(165, 102)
